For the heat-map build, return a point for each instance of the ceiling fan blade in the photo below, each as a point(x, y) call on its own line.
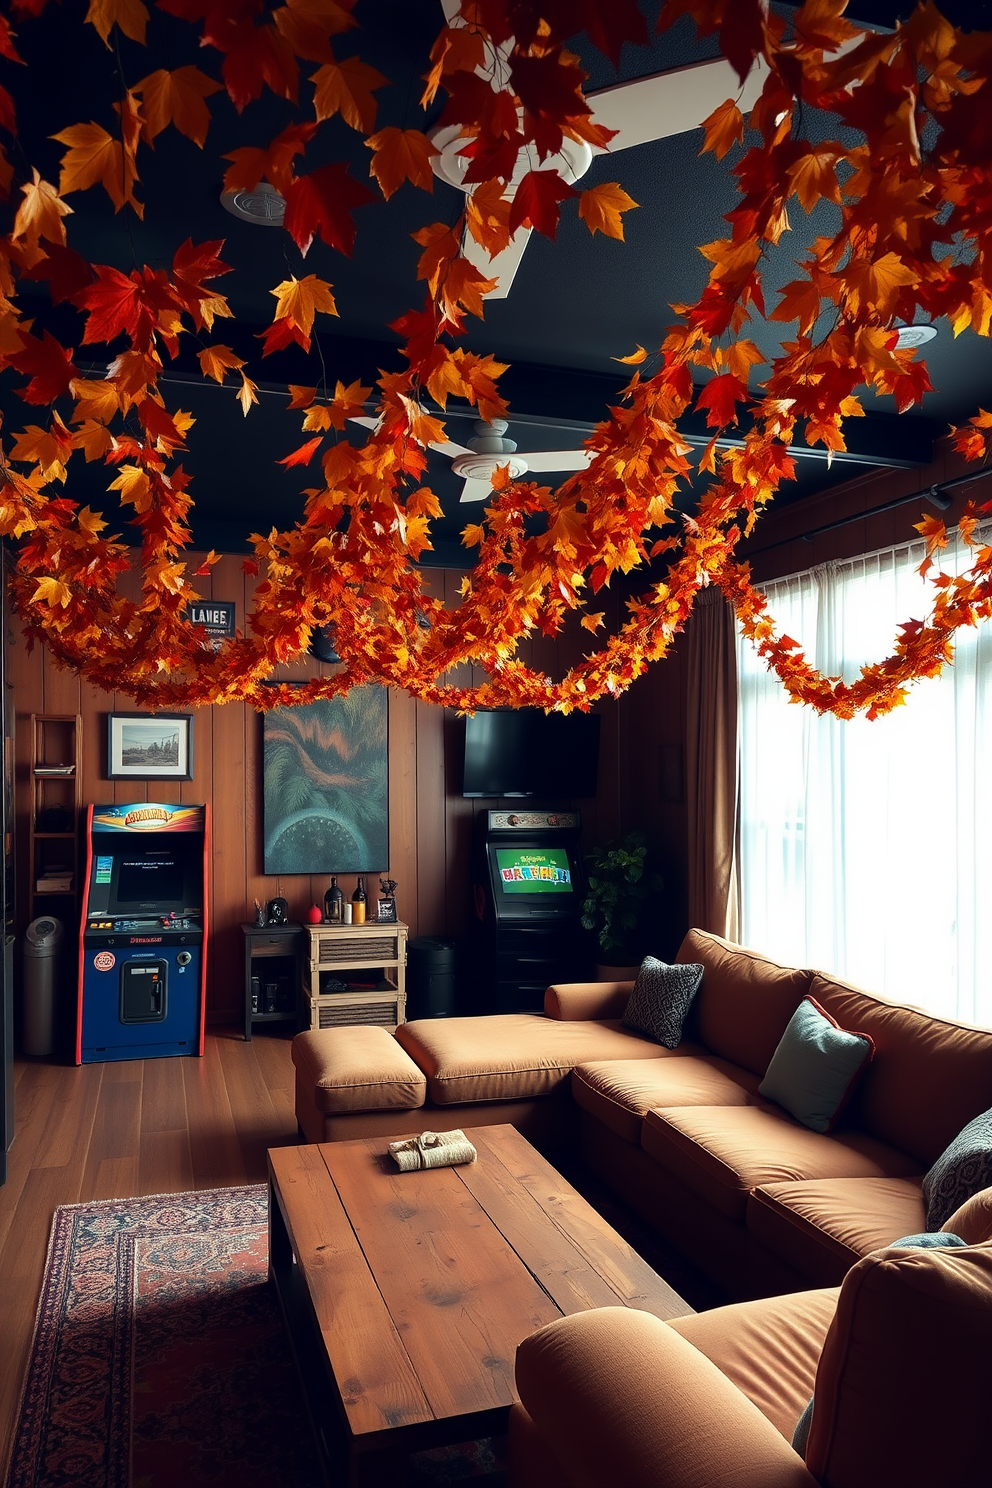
point(450, 449)
point(539, 460)
point(477, 490)
point(503, 266)
point(673, 102)
point(364, 420)
point(451, 9)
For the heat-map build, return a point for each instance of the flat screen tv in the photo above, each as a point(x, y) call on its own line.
point(524, 752)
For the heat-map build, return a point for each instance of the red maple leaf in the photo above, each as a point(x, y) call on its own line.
point(48, 364)
point(280, 334)
point(720, 395)
point(8, 119)
point(157, 423)
point(304, 454)
point(322, 203)
point(535, 202)
point(66, 270)
point(123, 303)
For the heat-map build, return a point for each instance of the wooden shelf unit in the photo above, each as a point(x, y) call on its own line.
point(56, 786)
point(344, 952)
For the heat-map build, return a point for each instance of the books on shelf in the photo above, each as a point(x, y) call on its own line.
point(54, 881)
point(55, 769)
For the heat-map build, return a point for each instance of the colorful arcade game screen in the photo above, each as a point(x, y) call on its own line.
point(534, 870)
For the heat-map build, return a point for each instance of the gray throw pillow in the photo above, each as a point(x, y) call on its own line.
point(800, 1437)
point(661, 999)
point(964, 1167)
point(815, 1066)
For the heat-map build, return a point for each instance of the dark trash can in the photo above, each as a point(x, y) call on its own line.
point(430, 977)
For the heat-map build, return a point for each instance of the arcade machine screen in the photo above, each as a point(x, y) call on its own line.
point(149, 883)
point(544, 870)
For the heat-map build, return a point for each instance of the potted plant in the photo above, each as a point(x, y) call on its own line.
point(619, 884)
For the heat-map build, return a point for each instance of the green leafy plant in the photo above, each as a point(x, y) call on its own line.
point(619, 884)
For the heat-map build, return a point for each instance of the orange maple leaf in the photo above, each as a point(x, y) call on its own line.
point(424, 429)
point(346, 88)
point(401, 155)
point(635, 357)
point(487, 216)
point(298, 301)
point(129, 15)
point(247, 394)
point(176, 98)
point(274, 163)
point(304, 454)
point(600, 208)
point(40, 213)
point(95, 399)
point(814, 175)
point(94, 156)
point(441, 244)
point(800, 301)
point(724, 127)
point(216, 360)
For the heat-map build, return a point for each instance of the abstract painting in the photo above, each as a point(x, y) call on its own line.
point(325, 770)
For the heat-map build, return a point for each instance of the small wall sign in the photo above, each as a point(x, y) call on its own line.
point(215, 616)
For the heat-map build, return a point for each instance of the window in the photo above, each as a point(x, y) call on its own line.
point(867, 847)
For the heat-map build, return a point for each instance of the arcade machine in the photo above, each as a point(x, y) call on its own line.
point(529, 890)
point(142, 939)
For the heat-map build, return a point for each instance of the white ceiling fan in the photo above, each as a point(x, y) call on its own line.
point(477, 460)
point(644, 109)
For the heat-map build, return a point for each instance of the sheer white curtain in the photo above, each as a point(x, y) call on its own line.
point(866, 848)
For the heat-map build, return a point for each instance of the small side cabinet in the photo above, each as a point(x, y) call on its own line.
point(272, 974)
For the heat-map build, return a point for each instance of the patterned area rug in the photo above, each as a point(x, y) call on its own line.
point(160, 1358)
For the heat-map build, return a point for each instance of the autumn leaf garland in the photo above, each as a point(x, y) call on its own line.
point(541, 556)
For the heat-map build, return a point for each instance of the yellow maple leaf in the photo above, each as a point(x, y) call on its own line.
point(592, 622)
point(472, 536)
point(600, 208)
point(247, 394)
point(96, 399)
point(134, 486)
point(298, 300)
point(52, 592)
point(216, 360)
point(346, 88)
point(95, 156)
point(46, 448)
point(40, 213)
point(91, 521)
point(635, 356)
point(129, 15)
point(176, 98)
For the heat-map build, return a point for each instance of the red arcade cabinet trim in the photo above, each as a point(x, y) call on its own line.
point(82, 926)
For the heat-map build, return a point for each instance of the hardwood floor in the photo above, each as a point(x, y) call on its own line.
point(107, 1131)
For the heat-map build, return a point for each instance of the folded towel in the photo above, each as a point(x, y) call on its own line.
point(433, 1150)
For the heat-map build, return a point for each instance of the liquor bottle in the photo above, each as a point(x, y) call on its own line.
point(334, 903)
point(359, 899)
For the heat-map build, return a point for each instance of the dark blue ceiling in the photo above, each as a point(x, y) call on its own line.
point(574, 306)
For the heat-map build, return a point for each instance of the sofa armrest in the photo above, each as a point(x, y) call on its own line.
point(584, 1002)
point(619, 1397)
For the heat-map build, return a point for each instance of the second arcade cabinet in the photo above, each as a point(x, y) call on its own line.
point(529, 888)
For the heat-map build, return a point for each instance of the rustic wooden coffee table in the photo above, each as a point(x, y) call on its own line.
point(406, 1294)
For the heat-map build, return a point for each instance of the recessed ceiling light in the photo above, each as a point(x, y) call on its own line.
point(914, 335)
point(265, 206)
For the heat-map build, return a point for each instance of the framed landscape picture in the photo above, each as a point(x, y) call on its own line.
point(150, 746)
point(325, 772)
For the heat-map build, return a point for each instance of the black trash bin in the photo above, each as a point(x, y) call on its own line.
point(430, 977)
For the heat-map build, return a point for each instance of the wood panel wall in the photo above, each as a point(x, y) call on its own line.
point(430, 822)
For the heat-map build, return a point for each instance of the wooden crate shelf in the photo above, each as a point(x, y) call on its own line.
point(378, 951)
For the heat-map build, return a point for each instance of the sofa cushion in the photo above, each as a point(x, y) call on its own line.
point(813, 1071)
point(511, 1056)
point(660, 1000)
point(962, 1169)
point(358, 1068)
point(768, 1349)
point(744, 1002)
point(929, 1076)
point(822, 1227)
point(722, 1153)
point(620, 1092)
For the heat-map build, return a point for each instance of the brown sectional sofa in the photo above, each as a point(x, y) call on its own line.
point(762, 1203)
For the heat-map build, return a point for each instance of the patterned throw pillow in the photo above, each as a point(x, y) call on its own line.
point(661, 999)
point(961, 1170)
